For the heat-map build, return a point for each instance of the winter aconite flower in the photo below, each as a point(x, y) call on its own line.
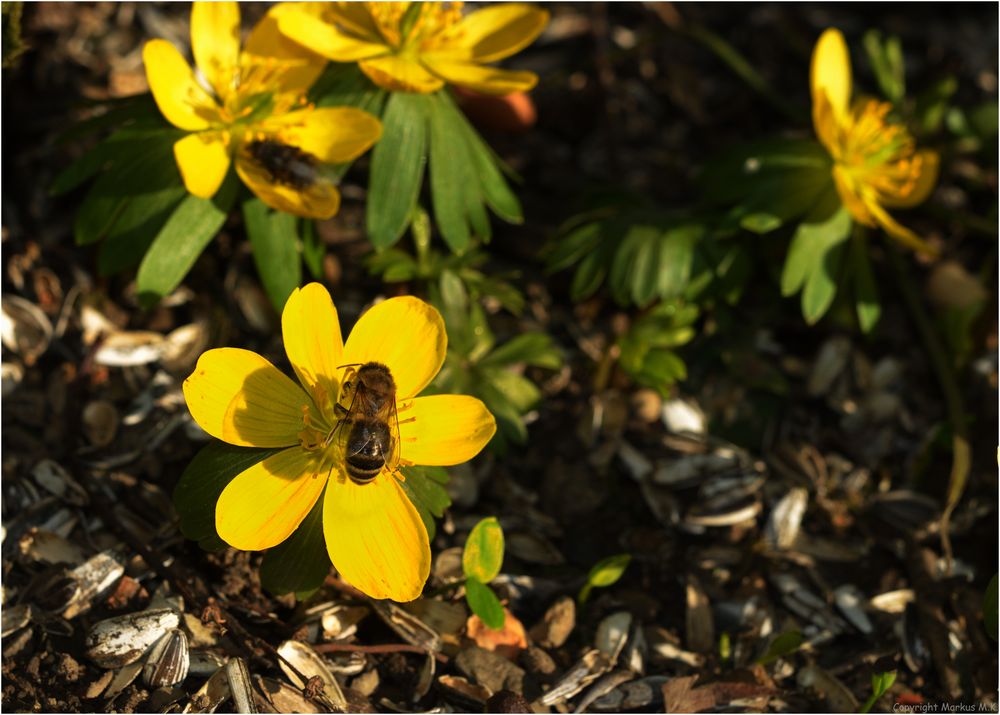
point(875, 163)
point(420, 46)
point(249, 105)
point(374, 535)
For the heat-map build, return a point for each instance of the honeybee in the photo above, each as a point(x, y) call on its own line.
point(284, 163)
point(371, 438)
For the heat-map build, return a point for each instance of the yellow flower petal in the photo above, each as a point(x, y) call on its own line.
point(899, 232)
point(264, 504)
point(927, 164)
point(498, 31)
point(445, 429)
point(239, 397)
point(375, 537)
point(319, 199)
point(355, 18)
point(203, 160)
point(267, 43)
point(830, 74)
point(332, 134)
point(180, 98)
point(400, 74)
point(406, 335)
point(825, 122)
point(325, 39)
point(311, 331)
point(850, 195)
point(215, 43)
point(488, 80)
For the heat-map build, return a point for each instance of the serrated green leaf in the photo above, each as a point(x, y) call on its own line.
point(483, 554)
point(299, 564)
point(530, 348)
point(397, 168)
point(572, 247)
point(484, 603)
point(605, 572)
point(785, 644)
point(275, 243)
point(521, 392)
point(182, 239)
point(425, 487)
point(990, 614)
point(202, 482)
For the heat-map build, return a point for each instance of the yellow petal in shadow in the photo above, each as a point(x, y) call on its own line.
point(497, 31)
point(239, 397)
point(441, 430)
point(311, 332)
point(215, 43)
point(312, 197)
point(333, 134)
point(325, 39)
point(264, 504)
point(375, 537)
point(406, 335)
point(181, 100)
point(488, 80)
point(400, 74)
point(850, 196)
point(203, 160)
point(900, 233)
point(266, 44)
point(830, 74)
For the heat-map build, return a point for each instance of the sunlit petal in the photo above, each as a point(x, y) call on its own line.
point(325, 39)
point(406, 335)
point(215, 43)
point(441, 430)
point(316, 198)
point(333, 134)
point(400, 74)
point(498, 31)
point(375, 537)
point(239, 397)
point(488, 80)
point(264, 504)
point(203, 160)
point(830, 74)
point(925, 165)
point(267, 43)
point(180, 98)
point(311, 332)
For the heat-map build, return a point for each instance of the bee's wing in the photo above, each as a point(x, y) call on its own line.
point(392, 419)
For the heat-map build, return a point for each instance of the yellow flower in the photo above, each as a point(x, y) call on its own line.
point(418, 47)
point(373, 533)
point(876, 165)
point(251, 106)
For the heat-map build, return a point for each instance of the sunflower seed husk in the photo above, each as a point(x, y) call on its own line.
point(463, 692)
point(284, 698)
point(94, 578)
point(589, 668)
point(850, 601)
point(204, 663)
point(52, 477)
point(602, 687)
point(786, 518)
point(893, 601)
point(340, 622)
point(100, 422)
point(310, 664)
point(123, 678)
point(699, 626)
point(210, 695)
point(168, 661)
point(130, 348)
point(240, 686)
point(612, 634)
point(115, 642)
point(838, 696)
point(425, 681)
point(24, 328)
point(410, 628)
point(15, 618)
point(915, 651)
point(45, 547)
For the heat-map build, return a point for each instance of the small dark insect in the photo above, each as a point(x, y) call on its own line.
point(373, 438)
point(284, 163)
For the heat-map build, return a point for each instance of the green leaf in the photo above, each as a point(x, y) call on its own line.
point(397, 168)
point(451, 177)
point(881, 682)
point(633, 274)
point(785, 644)
point(990, 608)
point(866, 300)
point(510, 423)
point(313, 249)
point(275, 242)
point(134, 230)
point(605, 572)
point(590, 273)
point(149, 171)
point(483, 554)
point(182, 239)
point(299, 564)
point(573, 246)
point(518, 390)
point(887, 64)
point(425, 487)
point(676, 257)
point(484, 603)
point(531, 348)
point(202, 482)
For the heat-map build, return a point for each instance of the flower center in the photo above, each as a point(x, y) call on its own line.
point(415, 26)
point(877, 151)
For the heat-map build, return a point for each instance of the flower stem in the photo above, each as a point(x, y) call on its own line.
point(961, 453)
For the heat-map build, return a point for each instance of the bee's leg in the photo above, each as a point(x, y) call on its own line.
point(339, 410)
point(404, 407)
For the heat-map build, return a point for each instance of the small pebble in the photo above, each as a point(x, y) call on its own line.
point(537, 661)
